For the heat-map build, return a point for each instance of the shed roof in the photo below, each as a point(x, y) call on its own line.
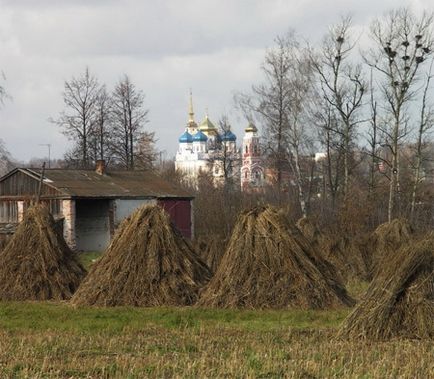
point(113, 184)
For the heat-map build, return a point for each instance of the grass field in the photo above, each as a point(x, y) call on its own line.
point(54, 340)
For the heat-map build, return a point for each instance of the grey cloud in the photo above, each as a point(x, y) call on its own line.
point(215, 47)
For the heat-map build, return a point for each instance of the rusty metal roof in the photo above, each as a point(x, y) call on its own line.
point(113, 184)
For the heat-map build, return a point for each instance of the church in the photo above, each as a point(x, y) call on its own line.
point(205, 149)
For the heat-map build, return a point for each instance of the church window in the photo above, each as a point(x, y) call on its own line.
point(245, 175)
point(256, 149)
point(247, 149)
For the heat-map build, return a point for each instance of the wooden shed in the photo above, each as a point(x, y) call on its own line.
point(89, 204)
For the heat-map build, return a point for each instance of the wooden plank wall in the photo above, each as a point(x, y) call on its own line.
point(21, 184)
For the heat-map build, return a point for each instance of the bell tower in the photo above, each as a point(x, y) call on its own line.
point(252, 170)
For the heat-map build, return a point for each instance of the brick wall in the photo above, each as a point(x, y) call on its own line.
point(68, 208)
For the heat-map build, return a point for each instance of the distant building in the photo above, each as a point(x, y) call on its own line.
point(205, 149)
point(89, 205)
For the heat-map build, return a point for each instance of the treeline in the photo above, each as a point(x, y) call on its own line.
point(368, 108)
point(106, 125)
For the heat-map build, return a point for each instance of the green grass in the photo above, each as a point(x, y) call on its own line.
point(87, 258)
point(62, 317)
point(55, 340)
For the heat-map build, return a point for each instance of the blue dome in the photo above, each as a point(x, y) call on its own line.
point(229, 136)
point(200, 137)
point(186, 138)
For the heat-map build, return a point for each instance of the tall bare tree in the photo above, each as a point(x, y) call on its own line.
point(3, 93)
point(326, 120)
point(280, 105)
point(6, 162)
point(342, 86)
point(373, 139)
point(103, 118)
point(225, 157)
point(299, 135)
point(426, 123)
point(270, 102)
point(402, 44)
point(129, 118)
point(78, 119)
point(145, 151)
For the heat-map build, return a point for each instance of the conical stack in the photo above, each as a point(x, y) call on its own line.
point(148, 264)
point(386, 240)
point(269, 264)
point(37, 264)
point(344, 253)
point(211, 250)
point(400, 299)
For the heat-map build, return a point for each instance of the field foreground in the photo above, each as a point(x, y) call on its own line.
point(54, 340)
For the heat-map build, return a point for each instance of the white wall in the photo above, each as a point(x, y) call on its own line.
point(123, 208)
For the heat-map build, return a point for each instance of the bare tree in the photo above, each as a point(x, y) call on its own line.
point(225, 157)
point(130, 116)
point(403, 42)
point(342, 86)
point(280, 103)
point(373, 139)
point(426, 122)
point(326, 120)
point(145, 151)
point(78, 120)
point(271, 102)
point(6, 162)
point(103, 117)
point(298, 134)
point(3, 94)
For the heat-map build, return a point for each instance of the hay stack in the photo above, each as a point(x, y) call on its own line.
point(400, 299)
point(350, 255)
point(37, 264)
point(310, 230)
point(345, 254)
point(148, 263)
point(319, 241)
point(211, 250)
point(387, 239)
point(269, 264)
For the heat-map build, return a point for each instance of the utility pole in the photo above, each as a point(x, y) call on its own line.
point(48, 145)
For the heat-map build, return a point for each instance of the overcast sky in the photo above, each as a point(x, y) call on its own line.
point(166, 47)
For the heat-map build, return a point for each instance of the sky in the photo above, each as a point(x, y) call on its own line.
point(167, 47)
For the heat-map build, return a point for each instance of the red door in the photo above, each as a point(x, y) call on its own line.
point(180, 214)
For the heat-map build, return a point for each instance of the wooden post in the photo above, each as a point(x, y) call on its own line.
point(38, 198)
